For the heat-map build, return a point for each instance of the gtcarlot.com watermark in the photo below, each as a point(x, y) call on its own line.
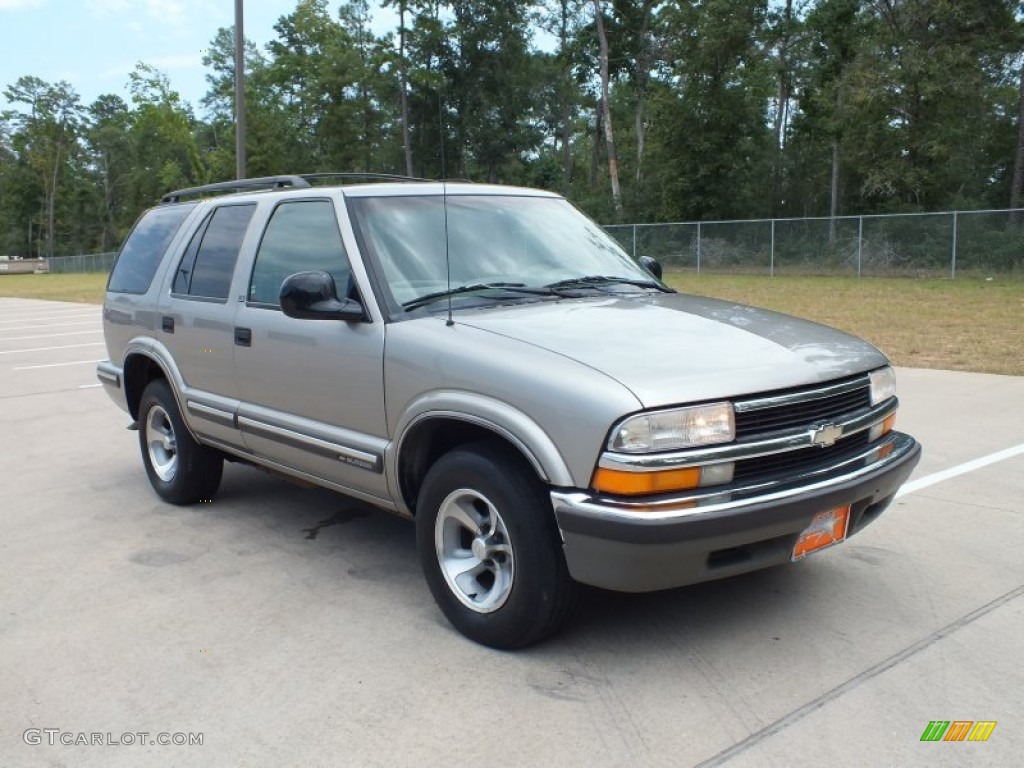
point(55, 736)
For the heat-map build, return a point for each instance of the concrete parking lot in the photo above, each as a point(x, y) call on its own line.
point(291, 627)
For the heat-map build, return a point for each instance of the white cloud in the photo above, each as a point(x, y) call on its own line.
point(175, 13)
point(175, 62)
point(180, 61)
point(18, 5)
point(107, 7)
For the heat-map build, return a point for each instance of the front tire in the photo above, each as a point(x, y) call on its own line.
point(180, 470)
point(489, 547)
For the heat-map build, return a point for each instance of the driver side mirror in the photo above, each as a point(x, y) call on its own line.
point(651, 265)
point(313, 296)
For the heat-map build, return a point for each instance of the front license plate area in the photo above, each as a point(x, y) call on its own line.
point(826, 529)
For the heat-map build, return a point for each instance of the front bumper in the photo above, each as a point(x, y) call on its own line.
point(637, 547)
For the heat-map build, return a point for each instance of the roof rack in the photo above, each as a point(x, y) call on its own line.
point(264, 182)
point(360, 176)
point(299, 181)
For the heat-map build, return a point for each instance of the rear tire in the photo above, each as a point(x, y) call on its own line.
point(490, 549)
point(180, 470)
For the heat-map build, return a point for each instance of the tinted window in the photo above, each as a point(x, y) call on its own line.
point(217, 254)
point(183, 276)
point(300, 236)
point(141, 253)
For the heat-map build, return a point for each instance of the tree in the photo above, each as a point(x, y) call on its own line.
point(164, 150)
point(107, 138)
point(606, 114)
point(710, 135)
point(923, 95)
point(1017, 184)
point(403, 80)
point(46, 136)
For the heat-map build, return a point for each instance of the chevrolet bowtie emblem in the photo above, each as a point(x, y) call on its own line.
point(826, 435)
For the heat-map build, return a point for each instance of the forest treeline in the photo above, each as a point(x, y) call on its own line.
point(637, 110)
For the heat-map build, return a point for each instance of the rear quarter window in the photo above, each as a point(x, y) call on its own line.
point(144, 248)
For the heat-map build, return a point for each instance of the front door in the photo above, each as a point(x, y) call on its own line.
point(312, 391)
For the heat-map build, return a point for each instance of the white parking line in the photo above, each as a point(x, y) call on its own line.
point(61, 316)
point(960, 469)
point(89, 386)
point(15, 309)
point(47, 349)
point(48, 335)
point(46, 326)
point(54, 365)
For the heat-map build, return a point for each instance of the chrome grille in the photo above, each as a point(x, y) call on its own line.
point(797, 409)
point(801, 460)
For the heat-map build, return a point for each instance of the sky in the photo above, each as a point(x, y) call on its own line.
point(94, 44)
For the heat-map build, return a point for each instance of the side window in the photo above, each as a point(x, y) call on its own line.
point(300, 236)
point(209, 260)
point(142, 251)
point(184, 274)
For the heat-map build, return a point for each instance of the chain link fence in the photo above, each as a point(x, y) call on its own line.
point(85, 262)
point(919, 244)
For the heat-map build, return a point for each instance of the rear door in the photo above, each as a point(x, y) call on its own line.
point(196, 320)
point(312, 391)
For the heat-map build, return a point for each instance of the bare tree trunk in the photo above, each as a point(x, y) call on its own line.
point(107, 204)
point(781, 106)
point(595, 147)
point(566, 146)
point(613, 164)
point(639, 138)
point(834, 203)
point(833, 208)
point(403, 86)
point(642, 67)
point(1017, 186)
point(51, 205)
point(563, 44)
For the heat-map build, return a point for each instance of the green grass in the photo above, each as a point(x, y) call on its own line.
point(86, 287)
point(967, 324)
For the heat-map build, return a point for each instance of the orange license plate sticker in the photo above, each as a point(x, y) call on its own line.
point(826, 529)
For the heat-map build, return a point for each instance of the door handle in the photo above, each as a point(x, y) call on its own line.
point(167, 324)
point(243, 337)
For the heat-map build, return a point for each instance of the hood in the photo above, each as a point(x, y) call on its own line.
point(674, 348)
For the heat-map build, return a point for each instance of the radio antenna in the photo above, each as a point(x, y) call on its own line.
point(444, 203)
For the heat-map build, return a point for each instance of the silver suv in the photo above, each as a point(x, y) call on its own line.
point(487, 361)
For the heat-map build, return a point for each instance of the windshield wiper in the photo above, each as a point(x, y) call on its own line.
point(592, 281)
point(429, 298)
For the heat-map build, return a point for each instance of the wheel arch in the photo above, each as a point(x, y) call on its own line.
point(434, 432)
point(146, 359)
point(140, 369)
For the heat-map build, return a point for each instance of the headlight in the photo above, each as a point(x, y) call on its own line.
point(672, 430)
point(883, 385)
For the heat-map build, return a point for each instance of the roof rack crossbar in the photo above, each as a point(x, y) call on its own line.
point(264, 182)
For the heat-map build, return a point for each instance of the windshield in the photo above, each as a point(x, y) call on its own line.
point(493, 240)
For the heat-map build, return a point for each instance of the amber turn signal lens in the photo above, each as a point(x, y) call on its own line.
point(638, 483)
point(882, 428)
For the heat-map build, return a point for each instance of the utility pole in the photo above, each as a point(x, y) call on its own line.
point(239, 92)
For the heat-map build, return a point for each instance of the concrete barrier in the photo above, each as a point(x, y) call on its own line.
point(23, 267)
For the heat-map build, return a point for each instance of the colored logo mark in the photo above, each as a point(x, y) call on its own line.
point(958, 730)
